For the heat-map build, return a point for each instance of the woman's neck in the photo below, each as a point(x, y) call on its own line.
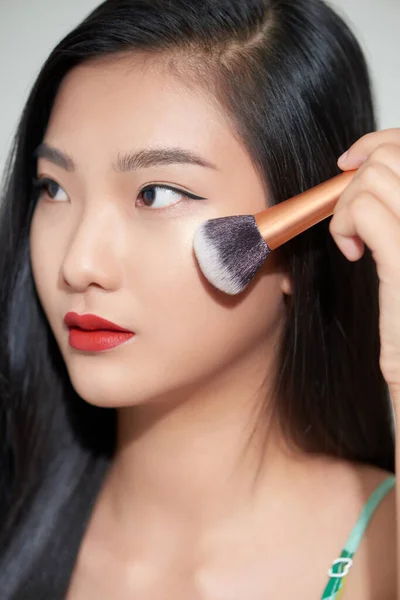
point(195, 460)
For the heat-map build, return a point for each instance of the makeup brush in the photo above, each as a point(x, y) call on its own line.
point(230, 250)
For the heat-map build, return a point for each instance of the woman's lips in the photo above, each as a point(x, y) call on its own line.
point(91, 333)
point(96, 340)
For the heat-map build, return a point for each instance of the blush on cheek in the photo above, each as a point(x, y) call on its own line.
point(167, 258)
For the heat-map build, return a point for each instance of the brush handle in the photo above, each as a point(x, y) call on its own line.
point(282, 222)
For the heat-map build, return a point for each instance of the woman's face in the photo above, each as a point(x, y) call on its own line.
point(102, 245)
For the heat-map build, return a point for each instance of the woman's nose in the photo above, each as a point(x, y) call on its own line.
point(94, 255)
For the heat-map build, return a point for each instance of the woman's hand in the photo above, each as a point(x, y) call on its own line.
point(368, 212)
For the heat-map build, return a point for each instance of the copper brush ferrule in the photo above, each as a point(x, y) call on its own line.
point(280, 223)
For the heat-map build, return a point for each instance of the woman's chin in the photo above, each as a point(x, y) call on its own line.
point(111, 390)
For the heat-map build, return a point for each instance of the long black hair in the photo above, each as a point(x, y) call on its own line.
point(293, 80)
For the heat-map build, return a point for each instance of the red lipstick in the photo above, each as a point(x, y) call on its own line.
point(91, 333)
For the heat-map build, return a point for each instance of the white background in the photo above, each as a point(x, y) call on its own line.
point(29, 29)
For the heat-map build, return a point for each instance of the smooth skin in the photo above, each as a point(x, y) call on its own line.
point(179, 515)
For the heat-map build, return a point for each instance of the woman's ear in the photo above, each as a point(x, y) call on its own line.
point(286, 285)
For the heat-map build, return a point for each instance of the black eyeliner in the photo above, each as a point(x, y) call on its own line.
point(174, 189)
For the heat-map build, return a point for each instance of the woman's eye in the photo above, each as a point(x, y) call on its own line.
point(153, 196)
point(51, 188)
point(157, 196)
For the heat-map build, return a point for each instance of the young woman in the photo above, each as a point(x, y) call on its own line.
point(217, 447)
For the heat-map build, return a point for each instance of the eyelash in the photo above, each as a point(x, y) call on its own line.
point(42, 184)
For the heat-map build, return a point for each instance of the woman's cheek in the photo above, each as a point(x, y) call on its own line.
point(47, 247)
point(43, 256)
point(167, 257)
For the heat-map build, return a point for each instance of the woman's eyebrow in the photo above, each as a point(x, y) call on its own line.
point(132, 161)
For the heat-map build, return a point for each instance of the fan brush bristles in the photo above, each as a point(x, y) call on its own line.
point(230, 250)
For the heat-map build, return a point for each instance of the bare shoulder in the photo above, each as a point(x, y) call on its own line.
point(373, 574)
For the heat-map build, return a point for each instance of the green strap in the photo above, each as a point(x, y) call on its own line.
point(367, 512)
point(341, 566)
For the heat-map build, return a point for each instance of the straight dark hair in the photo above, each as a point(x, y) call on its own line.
point(293, 80)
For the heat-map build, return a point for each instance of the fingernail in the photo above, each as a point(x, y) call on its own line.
point(343, 157)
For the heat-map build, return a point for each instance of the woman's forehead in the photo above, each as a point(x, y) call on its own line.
point(119, 110)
